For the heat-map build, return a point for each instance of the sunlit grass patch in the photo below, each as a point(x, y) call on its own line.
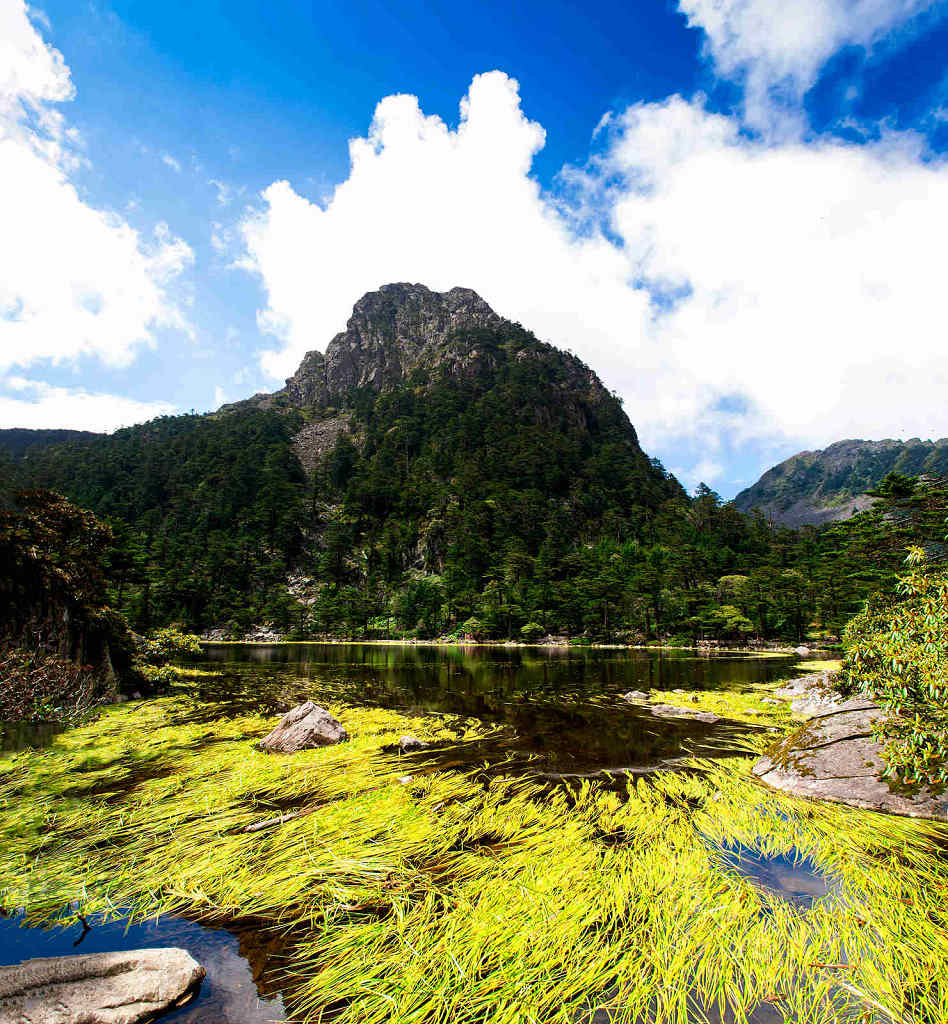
point(818, 665)
point(741, 706)
point(421, 894)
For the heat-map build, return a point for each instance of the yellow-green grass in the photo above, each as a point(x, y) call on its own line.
point(457, 897)
point(741, 706)
point(820, 665)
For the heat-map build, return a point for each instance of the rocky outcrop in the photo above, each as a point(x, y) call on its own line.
point(670, 711)
point(306, 726)
point(407, 332)
point(398, 329)
point(98, 988)
point(317, 439)
point(835, 757)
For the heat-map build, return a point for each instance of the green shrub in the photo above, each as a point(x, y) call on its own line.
point(897, 654)
point(164, 645)
point(159, 677)
point(532, 632)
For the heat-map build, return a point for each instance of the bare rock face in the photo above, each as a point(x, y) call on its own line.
point(317, 439)
point(395, 329)
point(306, 726)
point(811, 695)
point(834, 757)
point(98, 988)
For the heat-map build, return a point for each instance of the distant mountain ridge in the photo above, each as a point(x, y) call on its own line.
point(19, 440)
point(823, 486)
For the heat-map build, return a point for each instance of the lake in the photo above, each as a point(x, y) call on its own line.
point(560, 709)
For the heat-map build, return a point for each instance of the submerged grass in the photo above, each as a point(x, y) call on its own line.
point(454, 896)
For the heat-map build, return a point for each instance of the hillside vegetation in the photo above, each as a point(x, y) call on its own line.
point(440, 471)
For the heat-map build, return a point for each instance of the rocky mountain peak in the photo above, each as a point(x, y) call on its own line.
point(392, 331)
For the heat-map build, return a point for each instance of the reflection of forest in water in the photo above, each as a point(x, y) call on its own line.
point(559, 705)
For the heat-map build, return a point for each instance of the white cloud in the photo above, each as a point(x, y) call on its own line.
point(812, 273)
point(776, 48)
point(44, 405)
point(425, 203)
point(74, 280)
point(169, 161)
point(226, 192)
point(760, 290)
point(704, 471)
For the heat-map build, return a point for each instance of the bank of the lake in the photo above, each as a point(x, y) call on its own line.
point(555, 853)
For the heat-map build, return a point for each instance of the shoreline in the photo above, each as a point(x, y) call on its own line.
point(779, 652)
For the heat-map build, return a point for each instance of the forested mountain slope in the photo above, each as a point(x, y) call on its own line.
point(438, 470)
point(434, 452)
point(833, 483)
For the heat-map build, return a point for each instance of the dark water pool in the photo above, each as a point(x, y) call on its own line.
point(791, 877)
point(559, 708)
point(240, 987)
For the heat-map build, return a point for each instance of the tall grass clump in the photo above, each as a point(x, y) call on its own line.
point(413, 892)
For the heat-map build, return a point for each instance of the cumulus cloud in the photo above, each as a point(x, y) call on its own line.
point(74, 280)
point(809, 273)
point(776, 48)
point(445, 207)
point(38, 404)
point(747, 288)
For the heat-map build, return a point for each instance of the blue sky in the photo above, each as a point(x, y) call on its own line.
point(733, 210)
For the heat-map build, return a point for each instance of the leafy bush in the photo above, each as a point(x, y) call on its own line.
point(165, 645)
point(159, 677)
point(532, 632)
point(472, 627)
point(897, 654)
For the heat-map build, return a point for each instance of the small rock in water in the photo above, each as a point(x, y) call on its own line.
point(802, 651)
point(306, 726)
point(98, 988)
point(679, 691)
point(768, 700)
point(409, 743)
point(669, 711)
point(635, 695)
point(405, 780)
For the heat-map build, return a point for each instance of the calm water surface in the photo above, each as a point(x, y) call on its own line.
point(560, 708)
point(239, 987)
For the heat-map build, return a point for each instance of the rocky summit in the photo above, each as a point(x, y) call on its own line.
point(407, 334)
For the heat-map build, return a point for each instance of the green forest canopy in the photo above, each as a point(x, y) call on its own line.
point(480, 505)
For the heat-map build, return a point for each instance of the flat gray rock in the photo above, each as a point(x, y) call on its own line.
point(306, 726)
point(98, 988)
point(834, 757)
point(817, 682)
point(670, 711)
point(635, 695)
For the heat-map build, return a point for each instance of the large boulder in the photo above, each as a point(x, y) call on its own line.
point(307, 725)
point(834, 757)
point(98, 988)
